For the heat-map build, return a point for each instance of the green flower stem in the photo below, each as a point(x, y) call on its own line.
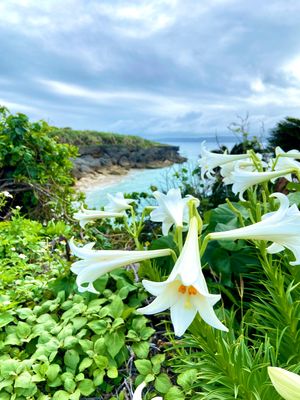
point(140, 226)
point(173, 255)
point(258, 212)
point(178, 237)
point(133, 231)
point(235, 211)
point(136, 229)
point(133, 217)
point(266, 188)
point(256, 160)
point(265, 202)
point(127, 227)
point(252, 205)
point(138, 245)
point(275, 163)
point(204, 244)
point(141, 223)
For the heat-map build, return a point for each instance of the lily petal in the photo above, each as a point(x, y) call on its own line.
point(85, 216)
point(137, 395)
point(285, 382)
point(209, 161)
point(96, 263)
point(275, 248)
point(185, 283)
point(161, 303)
point(182, 315)
point(155, 288)
point(118, 203)
point(281, 227)
point(172, 209)
point(242, 179)
point(207, 313)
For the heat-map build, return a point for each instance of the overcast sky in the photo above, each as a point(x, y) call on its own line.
point(151, 67)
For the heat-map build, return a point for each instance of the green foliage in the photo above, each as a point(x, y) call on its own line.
point(276, 311)
point(225, 366)
point(263, 325)
point(75, 346)
point(56, 343)
point(286, 134)
point(86, 138)
point(233, 365)
point(32, 256)
point(230, 261)
point(34, 167)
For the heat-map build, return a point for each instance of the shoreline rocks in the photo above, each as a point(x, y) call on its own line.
point(119, 159)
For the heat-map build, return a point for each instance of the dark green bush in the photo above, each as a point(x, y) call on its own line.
point(286, 134)
point(34, 167)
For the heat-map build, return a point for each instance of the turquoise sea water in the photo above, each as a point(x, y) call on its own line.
point(141, 180)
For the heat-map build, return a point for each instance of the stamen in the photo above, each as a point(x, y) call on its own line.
point(192, 291)
point(182, 289)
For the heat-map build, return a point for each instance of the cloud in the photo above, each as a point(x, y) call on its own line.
point(151, 67)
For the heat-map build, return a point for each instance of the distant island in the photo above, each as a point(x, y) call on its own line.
point(215, 138)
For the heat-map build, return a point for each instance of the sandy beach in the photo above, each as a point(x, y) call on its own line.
point(103, 180)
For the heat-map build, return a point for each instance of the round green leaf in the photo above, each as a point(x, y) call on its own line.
point(162, 383)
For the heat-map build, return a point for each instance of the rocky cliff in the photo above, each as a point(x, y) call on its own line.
point(116, 159)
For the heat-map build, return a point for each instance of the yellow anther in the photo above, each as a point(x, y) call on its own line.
point(182, 289)
point(192, 291)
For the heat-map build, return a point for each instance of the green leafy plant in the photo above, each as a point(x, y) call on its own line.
point(34, 167)
point(74, 346)
point(32, 256)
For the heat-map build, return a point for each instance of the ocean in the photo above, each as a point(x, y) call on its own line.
point(141, 180)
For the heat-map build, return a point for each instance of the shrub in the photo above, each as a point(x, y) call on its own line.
point(34, 167)
point(286, 134)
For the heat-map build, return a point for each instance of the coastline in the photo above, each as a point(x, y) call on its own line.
point(112, 175)
point(90, 181)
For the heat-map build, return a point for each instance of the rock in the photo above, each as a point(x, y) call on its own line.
point(85, 168)
point(117, 159)
point(124, 162)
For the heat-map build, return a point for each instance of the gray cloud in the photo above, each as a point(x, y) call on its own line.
point(148, 67)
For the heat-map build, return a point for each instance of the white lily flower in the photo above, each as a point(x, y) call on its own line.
point(6, 194)
point(137, 395)
point(185, 292)
point(242, 179)
point(209, 160)
point(281, 227)
point(285, 382)
point(84, 216)
point(286, 160)
point(246, 164)
point(96, 263)
point(227, 169)
point(118, 203)
point(172, 209)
